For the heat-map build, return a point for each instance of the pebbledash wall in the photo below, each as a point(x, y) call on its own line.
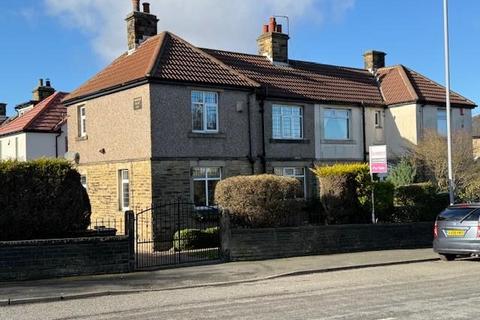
point(41, 259)
point(259, 244)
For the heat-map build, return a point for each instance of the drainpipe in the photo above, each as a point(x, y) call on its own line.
point(250, 155)
point(56, 142)
point(364, 129)
point(264, 155)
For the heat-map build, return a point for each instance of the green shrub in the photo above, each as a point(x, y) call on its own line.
point(418, 202)
point(384, 195)
point(41, 199)
point(259, 201)
point(191, 239)
point(403, 173)
point(344, 192)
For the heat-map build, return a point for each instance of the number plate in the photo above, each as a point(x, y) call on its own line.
point(456, 233)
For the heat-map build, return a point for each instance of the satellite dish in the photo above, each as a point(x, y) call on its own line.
point(72, 156)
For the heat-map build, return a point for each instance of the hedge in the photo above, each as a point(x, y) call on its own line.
point(418, 202)
point(191, 239)
point(344, 192)
point(259, 201)
point(41, 199)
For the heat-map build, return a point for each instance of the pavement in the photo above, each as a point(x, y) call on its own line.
point(201, 276)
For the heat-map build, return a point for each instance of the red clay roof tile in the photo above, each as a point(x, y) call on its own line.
point(43, 117)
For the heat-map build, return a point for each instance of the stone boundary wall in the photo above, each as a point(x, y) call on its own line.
point(258, 244)
point(40, 259)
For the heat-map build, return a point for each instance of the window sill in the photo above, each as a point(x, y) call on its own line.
point(299, 141)
point(329, 141)
point(81, 138)
point(207, 135)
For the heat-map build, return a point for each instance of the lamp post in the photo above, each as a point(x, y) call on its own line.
point(451, 183)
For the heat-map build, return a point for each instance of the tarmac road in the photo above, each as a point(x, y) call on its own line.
point(429, 290)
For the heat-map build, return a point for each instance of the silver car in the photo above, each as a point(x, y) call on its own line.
point(457, 231)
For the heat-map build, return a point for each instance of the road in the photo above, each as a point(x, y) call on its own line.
point(430, 290)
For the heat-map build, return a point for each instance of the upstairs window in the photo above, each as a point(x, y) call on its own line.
point(336, 124)
point(442, 122)
point(204, 111)
point(287, 122)
point(124, 190)
point(378, 119)
point(82, 121)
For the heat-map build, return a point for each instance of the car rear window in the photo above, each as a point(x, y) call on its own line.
point(457, 214)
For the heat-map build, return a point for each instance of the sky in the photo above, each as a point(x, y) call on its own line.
point(68, 41)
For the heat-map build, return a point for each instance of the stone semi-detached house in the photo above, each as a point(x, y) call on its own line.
point(169, 119)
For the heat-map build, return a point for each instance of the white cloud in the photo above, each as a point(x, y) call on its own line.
point(222, 24)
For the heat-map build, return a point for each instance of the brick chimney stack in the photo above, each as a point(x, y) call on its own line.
point(273, 43)
point(374, 60)
point(140, 25)
point(42, 91)
point(3, 112)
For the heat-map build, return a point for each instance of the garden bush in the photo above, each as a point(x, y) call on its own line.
point(418, 202)
point(41, 199)
point(191, 239)
point(403, 173)
point(344, 192)
point(384, 199)
point(259, 201)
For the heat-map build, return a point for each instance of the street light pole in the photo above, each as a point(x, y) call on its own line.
point(447, 81)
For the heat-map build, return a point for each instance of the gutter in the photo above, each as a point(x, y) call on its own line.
point(56, 142)
point(264, 153)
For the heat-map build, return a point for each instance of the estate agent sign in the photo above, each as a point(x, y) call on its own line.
point(378, 159)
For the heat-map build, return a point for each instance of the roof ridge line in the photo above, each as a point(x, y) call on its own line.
point(210, 57)
point(408, 82)
point(154, 62)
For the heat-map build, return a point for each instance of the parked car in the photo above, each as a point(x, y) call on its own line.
point(457, 231)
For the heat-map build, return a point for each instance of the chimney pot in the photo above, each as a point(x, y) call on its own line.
point(146, 7)
point(272, 26)
point(136, 5)
point(3, 111)
point(265, 28)
point(279, 28)
point(48, 83)
point(40, 82)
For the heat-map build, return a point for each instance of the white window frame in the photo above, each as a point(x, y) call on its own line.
point(349, 123)
point(206, 179)
point(303, 176)
point(439, 112)
point(82, 121)
point(284, 118)
point(205, 106)
point(121, 184)
point(378, 119)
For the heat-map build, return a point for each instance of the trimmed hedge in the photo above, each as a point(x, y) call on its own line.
point(418, 202)
point(41, 199)
point(191, 239)
point(384, 200)
point(259, 201)
point(344, 192)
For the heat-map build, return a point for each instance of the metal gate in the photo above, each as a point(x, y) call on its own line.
point(175, 233)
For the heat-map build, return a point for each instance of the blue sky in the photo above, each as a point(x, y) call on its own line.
point(70, 40)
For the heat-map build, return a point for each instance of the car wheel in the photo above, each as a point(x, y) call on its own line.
point(447, 257)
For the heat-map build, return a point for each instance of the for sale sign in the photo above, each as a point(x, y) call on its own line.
point(378, 159)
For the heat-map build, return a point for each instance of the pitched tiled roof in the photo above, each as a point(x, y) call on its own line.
point(305, 80)
point(44, 117)
point(163, 57)
point(166, 57)
point(400, 84)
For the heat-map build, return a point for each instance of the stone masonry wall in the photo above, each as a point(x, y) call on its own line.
point(103, 185)
point(258, 244)
point(40, 259)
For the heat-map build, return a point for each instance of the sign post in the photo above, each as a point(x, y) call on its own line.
point(378, 164)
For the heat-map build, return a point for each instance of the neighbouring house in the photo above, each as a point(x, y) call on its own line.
point(476, 136)
point(38, 130)
point(169, 119)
